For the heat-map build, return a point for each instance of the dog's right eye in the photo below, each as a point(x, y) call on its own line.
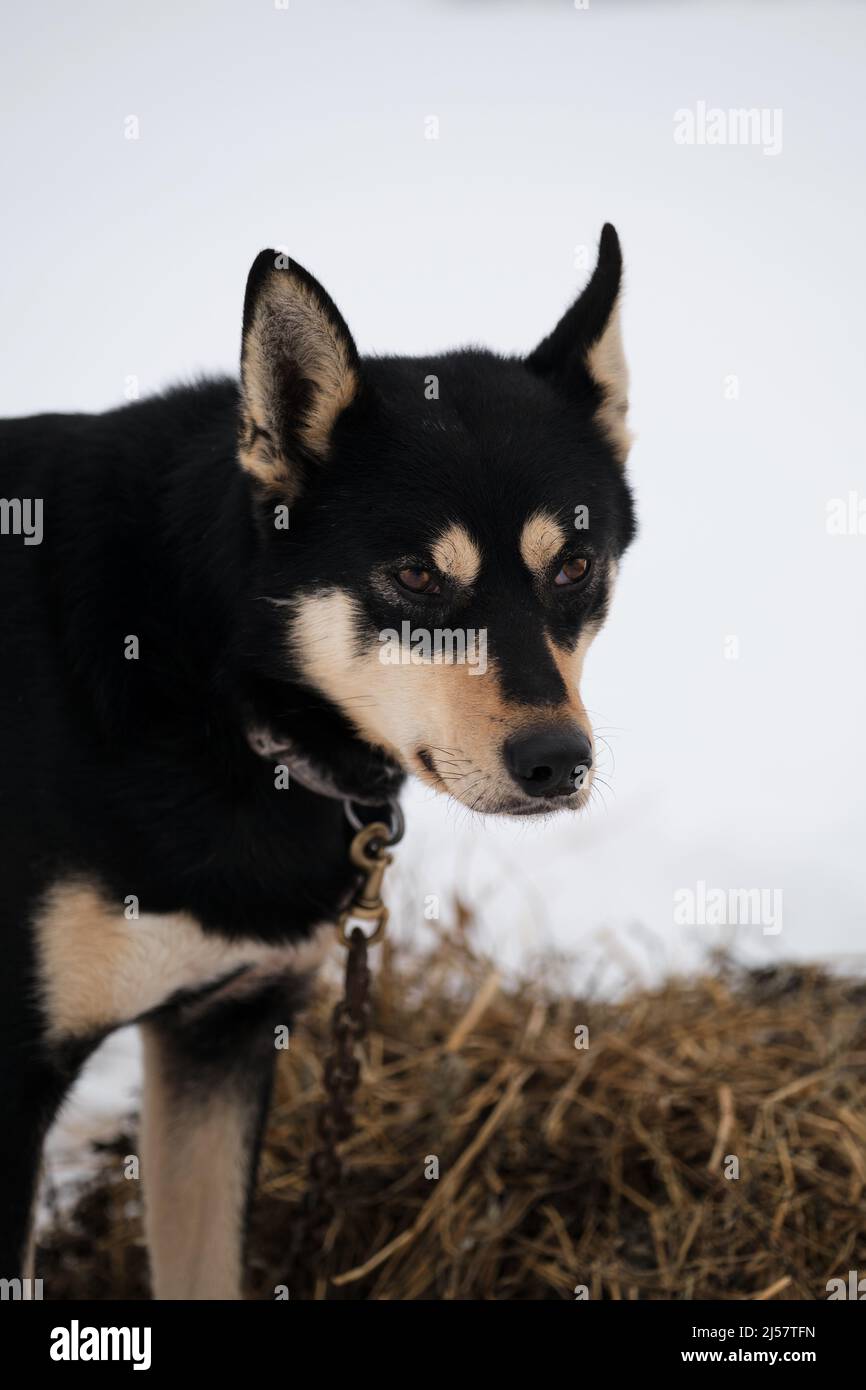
point(418, 580)
point(572, 572)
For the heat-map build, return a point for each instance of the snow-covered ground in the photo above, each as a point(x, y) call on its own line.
point(730, 680)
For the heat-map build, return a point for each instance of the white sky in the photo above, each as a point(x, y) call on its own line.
point(305, 128)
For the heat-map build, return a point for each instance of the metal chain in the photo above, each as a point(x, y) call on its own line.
point(349, 1024)
point(335, 1120)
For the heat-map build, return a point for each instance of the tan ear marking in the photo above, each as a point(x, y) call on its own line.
point(607, 366)
point(297, 377)
point(260, 456)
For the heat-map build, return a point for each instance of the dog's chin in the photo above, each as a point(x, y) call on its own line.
point(547, 806)
point(540, 806)
point(521, 807)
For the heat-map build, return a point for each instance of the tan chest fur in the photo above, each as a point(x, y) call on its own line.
point(98, 969)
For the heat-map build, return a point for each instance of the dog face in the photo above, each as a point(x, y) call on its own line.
point(454, 529)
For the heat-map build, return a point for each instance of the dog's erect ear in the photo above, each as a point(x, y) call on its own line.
point(584, 354)
point(299, 371)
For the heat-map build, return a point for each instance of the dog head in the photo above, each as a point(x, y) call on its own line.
point(439, 537)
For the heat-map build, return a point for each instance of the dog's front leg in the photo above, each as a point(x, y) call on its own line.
point(207, 1081)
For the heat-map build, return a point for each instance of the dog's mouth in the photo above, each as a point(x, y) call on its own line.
point(365, 775)
point(550, 806)
point(485, 794)
point(537, 806)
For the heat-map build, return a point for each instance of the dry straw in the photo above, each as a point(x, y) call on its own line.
point(609, 1167)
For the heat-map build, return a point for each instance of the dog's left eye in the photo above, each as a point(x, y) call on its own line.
point(572, 572)
point(418, 580)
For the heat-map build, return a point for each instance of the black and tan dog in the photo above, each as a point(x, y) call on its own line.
point(215, 574)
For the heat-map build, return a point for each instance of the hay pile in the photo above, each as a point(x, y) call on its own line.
point(558, 1166)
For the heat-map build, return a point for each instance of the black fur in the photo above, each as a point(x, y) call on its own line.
point(137, 774)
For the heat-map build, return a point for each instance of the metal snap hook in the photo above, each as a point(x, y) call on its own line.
point(396, 820)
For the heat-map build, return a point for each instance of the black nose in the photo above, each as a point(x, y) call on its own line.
point(549, 764)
